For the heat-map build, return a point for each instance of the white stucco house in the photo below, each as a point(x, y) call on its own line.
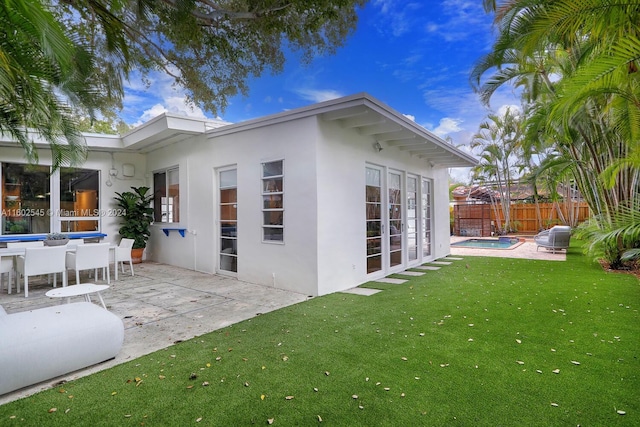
point(314, 200)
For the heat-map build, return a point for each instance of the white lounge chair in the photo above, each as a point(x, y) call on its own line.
point(555, 239)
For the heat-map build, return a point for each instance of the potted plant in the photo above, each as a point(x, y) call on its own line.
point(56, 239)
point(136, 218)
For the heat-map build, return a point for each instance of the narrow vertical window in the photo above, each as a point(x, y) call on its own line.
point(426, 217)
point(166, 196)
point(273, 201)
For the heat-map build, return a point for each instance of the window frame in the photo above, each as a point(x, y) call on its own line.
point(161, 210)
point(264, 194)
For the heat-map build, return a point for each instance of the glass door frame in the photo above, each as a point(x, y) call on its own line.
point(227, 228)
point(395, 253)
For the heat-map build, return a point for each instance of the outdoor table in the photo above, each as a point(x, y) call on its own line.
point(76, 290)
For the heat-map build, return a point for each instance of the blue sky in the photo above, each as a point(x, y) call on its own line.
point(414, 56)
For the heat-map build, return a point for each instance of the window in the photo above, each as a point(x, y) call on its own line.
point(28, 207)
point(166, 196)
point(273, 201)
point(79, 200)
point(26, 203)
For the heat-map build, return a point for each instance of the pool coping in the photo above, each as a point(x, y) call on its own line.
point(510, 248)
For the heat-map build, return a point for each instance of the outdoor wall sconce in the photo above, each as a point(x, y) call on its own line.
point(377, 146)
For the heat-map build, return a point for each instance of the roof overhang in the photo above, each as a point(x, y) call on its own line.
point(393, 130)
point(166, 129)
point(370, 117)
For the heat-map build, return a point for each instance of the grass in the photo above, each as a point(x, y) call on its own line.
point(475, 343)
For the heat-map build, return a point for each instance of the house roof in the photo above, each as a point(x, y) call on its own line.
point(368, 116)
point(360, 112)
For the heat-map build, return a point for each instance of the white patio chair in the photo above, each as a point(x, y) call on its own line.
point(6, 267)
point(37, 261)
point(123, 254)
point(90, 256)
point(34, 244)
point(554, 239)
point(74, 242)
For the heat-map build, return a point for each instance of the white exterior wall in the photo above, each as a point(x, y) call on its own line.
point(193, 251)
point(291, 265)
point(324, 211)
point(342, 158)
point(441, 223)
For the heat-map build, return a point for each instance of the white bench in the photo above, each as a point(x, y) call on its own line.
point(42, 344)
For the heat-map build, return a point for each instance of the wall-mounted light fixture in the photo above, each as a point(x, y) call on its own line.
point(377, 146)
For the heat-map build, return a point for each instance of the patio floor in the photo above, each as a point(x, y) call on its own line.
point(160, 305)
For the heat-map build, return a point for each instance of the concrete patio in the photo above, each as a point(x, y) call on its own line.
point(159, 306)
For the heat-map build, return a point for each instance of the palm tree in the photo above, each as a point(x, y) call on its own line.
point(577, 64)
point(499, 140)
point(42, 73)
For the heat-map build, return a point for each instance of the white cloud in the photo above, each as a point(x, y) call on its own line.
point(317, 95)
point(447, 126)
point(410, 117)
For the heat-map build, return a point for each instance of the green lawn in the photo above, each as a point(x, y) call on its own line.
point(484, 341)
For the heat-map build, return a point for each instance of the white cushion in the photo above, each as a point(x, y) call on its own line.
point(41, 344)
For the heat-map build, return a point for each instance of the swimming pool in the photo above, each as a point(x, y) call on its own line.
point(502, 243)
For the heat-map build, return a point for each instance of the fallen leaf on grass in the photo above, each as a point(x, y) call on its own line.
point(518, 341)
point(319, 418)
point(53, 410)
point(198, 419)
point(354, 396)
point(620, 412)
point(554, 404)
point(270, 420)
point(556, 371)
point(519, 362)
point(289, 397)
point(575, 362)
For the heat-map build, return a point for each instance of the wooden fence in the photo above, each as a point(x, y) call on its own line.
point(476, 219)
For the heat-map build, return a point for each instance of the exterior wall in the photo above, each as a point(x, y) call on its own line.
point(101, 161)
point(441, 223)
point(291, 265)
point(342, 158)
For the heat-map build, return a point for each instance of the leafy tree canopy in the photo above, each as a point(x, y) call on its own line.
point(211, 48)
point(65, 59)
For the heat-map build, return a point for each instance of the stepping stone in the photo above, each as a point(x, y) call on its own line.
point(440, 263)
point(427, 267)
point(390, 280)
point(452, 258)
point(361, 291)
point(411, 273)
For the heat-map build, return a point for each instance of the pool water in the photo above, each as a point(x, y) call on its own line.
point(487, 243)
